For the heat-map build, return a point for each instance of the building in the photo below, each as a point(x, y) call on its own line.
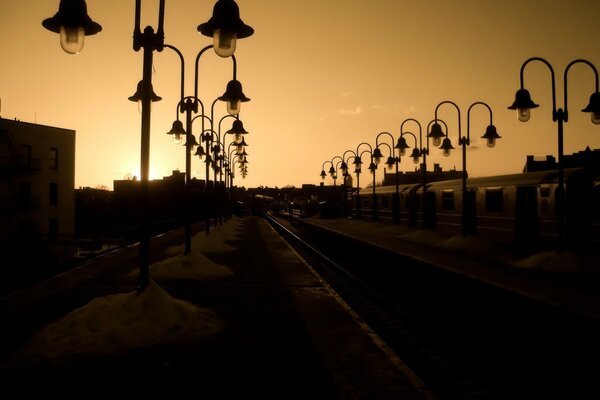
point(37, 168)
point(587, 158)
point(416, 176)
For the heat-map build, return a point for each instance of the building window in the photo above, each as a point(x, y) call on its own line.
point(53, 158)
point(448, 201)
point(53, 193)
point(26, 154)
point(53, 230)
point(494, 200)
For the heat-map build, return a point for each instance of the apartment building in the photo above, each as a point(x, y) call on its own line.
point(37, 197)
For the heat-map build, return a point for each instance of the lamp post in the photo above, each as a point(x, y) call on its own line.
point(392, 160)
point(347, 179)
point(467, 224)
point(523, 104)
point(357, 170)
point(72, 23)
point(422, 150)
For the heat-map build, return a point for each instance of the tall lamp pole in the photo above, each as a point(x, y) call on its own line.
point(464, 141)
point(358, 170)
point(391, 161)
point(523, 104)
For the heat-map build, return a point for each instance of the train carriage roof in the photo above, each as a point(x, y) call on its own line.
point(522, 179)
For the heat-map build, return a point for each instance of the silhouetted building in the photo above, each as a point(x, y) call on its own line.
point(37, 169)
point(587, 158)
point(416, 176)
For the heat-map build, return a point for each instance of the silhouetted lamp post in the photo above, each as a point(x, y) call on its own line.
point(358, 170)
point(72, 23)
point(523, 104)
point(464, 141)
point(392, 161)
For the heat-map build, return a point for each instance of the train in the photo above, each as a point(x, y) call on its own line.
point(520, 209)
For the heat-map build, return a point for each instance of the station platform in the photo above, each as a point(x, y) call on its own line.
point(241, 316)
point(568, 280)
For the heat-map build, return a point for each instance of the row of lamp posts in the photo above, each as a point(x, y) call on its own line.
point(73, 23)
point(522, 104)
point(397, 150)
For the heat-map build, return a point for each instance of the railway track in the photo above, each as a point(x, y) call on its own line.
point(463, 339)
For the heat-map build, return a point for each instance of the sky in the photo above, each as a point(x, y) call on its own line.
point(322, 76)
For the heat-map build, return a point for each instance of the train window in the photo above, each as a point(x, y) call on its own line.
point(384, 201)
point(493, 200)
point(544, 191)
point(448, 201)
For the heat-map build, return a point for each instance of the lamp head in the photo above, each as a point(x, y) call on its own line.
point(491, 135)
point(191, 141)
point(200, 152)
point(401, 145)
point(177, 130)
point(446, 147)
point(139, 93)
point(344, 167)
point(523, 104)
point(377, 155)
point(323, 174)
point(372, 167)
point(72, 22)
point(390, 163)
point(594, 107)
point(436, 134)
point(234, 97)
point(225, 27)
point(415, 155)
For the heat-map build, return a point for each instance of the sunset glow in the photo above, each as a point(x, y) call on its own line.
point(384, 61)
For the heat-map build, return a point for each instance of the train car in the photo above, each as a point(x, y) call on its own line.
point(517, 208)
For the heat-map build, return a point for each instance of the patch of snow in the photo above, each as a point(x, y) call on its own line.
point(110, 324)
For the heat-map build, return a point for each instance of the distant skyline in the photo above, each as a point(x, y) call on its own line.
point(322, 76)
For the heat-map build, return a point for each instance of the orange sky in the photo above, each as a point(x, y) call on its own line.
point(323, 76)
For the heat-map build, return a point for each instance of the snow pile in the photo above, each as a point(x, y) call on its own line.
point(194, 265)
point(114, 323)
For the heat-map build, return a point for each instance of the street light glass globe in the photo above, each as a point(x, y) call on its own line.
point(224, 42)
point(523, 114)
point(71, 38)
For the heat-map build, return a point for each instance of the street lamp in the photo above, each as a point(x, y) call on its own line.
point(150, 41)
point(468, 220)
point(72, 23)
point(420, 149)
point(523, 104)
point(392, 160)
point(358, 169)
